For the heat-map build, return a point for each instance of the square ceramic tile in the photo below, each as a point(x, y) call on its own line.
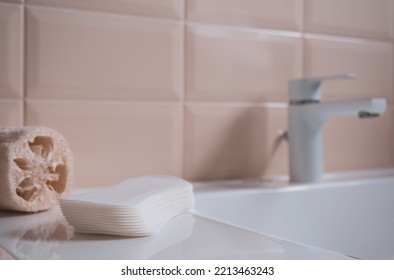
point(159, 8)
point(372, 63)
point(229, 141)
point(84, 55)
point(230, 64)
point(112, 141)
point(366, 19)
point(354, 144)
point(11, 50)
point(270, 14)
point(11, 112)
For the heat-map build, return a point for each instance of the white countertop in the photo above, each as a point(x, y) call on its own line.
point(47, 235)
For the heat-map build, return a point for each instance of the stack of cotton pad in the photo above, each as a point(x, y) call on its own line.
point(135, 207)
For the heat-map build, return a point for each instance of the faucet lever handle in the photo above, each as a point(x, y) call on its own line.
point(345, 76)
point(308, 90)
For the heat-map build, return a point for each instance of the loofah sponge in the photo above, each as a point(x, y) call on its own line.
point(36, 167)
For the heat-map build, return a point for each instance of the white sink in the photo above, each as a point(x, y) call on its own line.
point(353, 218)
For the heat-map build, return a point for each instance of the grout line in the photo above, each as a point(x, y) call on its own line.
point(184, 10)
point(244, 28)
point(291, 34)
point(303, 25)
point(303, 42)
point(103, 12)
point(277, 105)
point(10, 99)
point(392, 69)
point(183, 101)
point(183, 54)
point(23, 62)
point(392, 57)
point(346, 39)
point(100, 101)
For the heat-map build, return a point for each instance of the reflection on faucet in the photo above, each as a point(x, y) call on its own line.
point(34, 236)
point(306, 119)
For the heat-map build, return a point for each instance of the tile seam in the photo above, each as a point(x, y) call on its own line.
point(23, 62)
point(276, 105)
point(345, 39)
point(103, 101)
point(183, 88)
point(260, 30)
point(292, 33)
point(303, 42)
point(96, 11)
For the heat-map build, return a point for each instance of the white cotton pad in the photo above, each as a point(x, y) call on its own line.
point(135, 207)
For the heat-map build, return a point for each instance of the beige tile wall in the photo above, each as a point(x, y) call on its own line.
point(193, 88)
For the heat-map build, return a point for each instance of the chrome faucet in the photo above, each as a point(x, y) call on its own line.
point(306, 118)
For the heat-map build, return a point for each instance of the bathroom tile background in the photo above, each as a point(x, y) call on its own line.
point(193, 88)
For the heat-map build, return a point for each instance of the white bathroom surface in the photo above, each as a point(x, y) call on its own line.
point(351, 216)
point(47, 236)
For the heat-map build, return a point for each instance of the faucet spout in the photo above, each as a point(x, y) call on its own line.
point(316, 114)
point(377, 106)
point(307, 116)
point(306, 132)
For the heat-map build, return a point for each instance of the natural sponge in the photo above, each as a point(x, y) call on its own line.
point(36, 167)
